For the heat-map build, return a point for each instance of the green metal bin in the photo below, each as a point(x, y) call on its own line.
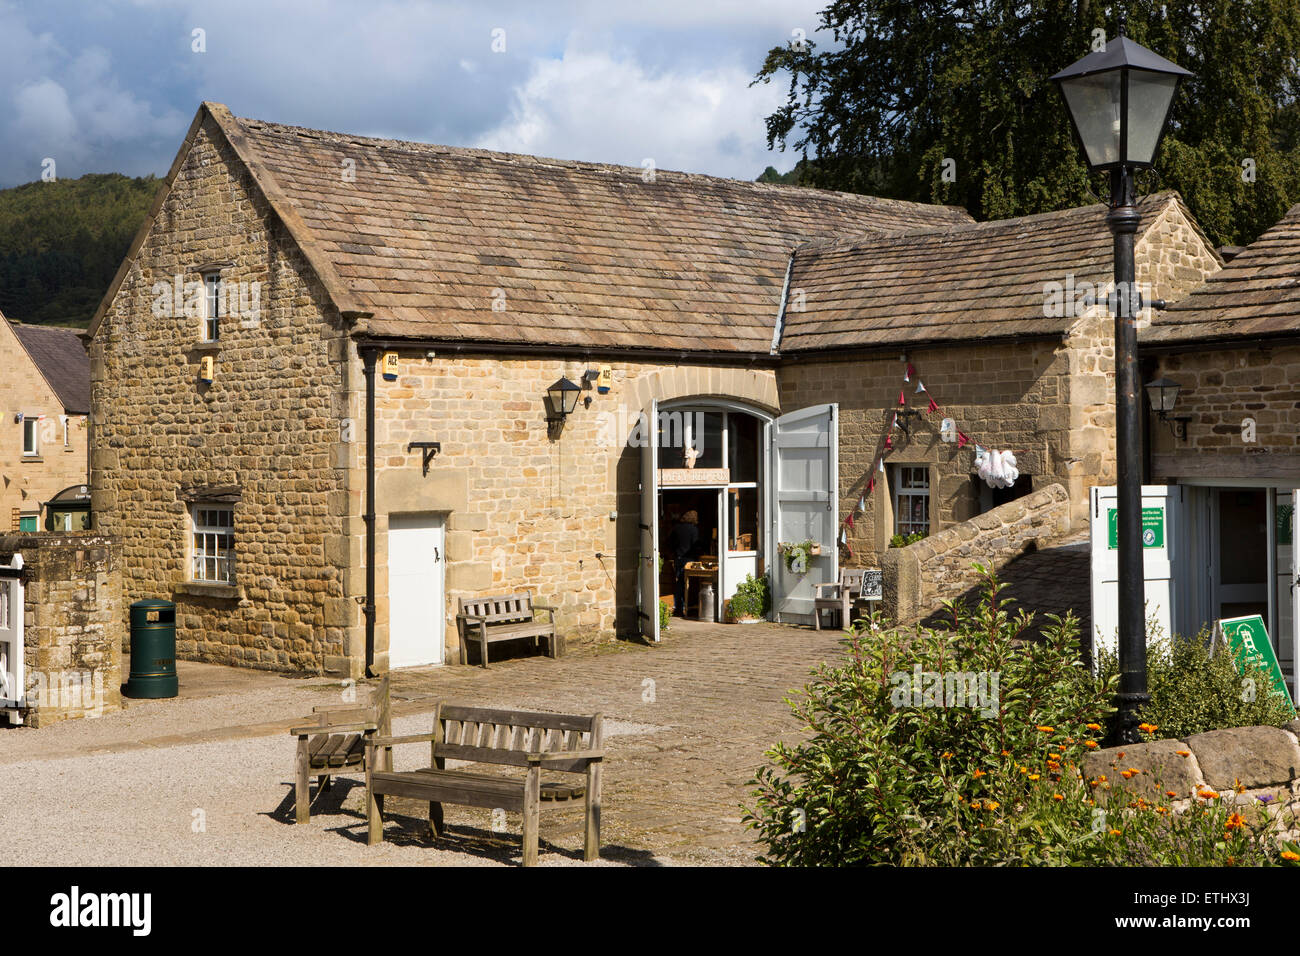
point(153, 650)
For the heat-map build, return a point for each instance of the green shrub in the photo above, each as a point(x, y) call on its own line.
point(665, 615)
point(1192, 691)
point(903, 540)
point(752, 598)
point(890, 777)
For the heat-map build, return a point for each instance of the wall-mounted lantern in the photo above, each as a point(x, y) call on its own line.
point(1163, 395)
point(563, 399)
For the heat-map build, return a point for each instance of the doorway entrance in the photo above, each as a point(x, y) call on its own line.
point(417, 615)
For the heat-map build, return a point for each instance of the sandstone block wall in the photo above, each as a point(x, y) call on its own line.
point(74, 623)
point(557, 515)
point(269, 424)
point(919, 577)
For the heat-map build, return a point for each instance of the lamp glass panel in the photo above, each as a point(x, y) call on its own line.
point(1149, 96)
point(1094, 105)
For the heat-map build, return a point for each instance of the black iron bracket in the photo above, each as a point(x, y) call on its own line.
point(905, 416)
point(428, 450)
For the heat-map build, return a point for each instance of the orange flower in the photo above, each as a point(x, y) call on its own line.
point(1148, 728)
point(979, 773)
point(1047, 730)
point(1127, 774)
point(1090, 744)
point(1235, 822)
point(1057, 797)
point(992, 805)
point(1170, 793)
point(1207, 794)
point(1114, 833)
point(975, 805)
point(1183, 753)
point(946, 755)
point(1033, 776)
point(1290, 855)
point(1102, 778)
point(1006, 753)
point(1093, 726)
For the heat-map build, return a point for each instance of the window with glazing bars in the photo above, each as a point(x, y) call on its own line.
point(911, 500)
point(214, 544)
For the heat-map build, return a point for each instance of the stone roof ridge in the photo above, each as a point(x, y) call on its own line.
point(546, 162)
point(1034, 220)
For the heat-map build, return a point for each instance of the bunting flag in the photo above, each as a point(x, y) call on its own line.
point(934, 406)
point(862, 501)
point(894, 423)
point(871, 485)
point(849, 520)
point(889, 442)
point(880, 466)
point(902, 399)
point(961, 439)
point(920, 386)
point(907, 376)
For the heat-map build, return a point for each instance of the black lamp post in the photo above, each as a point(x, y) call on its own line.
point(1119, 100)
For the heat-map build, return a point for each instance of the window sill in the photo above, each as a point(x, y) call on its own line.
point(210, 589)
point(35, 459)
point(207, 346)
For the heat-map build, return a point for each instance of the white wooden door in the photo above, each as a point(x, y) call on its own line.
point(417, 613)
point(1288, 574)
point(803, 481)
point(648, 559)
point(1162, 542)
point(11, 637)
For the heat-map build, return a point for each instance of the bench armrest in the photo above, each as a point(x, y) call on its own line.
point(543, 607)
point(545, 760)
point(392, 741)
point(833, 588)
point(355, 727)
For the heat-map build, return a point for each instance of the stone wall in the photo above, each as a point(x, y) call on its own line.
point(1239, 764)
point(28, 481)
point(74, 622)
point(919, 577)
point(1221, 388)
point(268, 427)
point(555, 514)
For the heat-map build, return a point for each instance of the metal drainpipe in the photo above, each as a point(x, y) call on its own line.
point(368, 358)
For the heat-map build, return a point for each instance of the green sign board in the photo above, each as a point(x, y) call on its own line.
point(1153, 527)
point(1284, 513)
point(1247, 638)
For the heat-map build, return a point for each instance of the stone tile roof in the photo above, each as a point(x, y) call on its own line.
point(1256, 294)
point(62, 359)
point(965, 282)
point(586, 254)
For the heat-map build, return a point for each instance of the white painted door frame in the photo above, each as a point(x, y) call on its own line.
point(417, 607)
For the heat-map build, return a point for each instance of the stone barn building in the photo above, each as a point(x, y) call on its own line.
point(298, 298)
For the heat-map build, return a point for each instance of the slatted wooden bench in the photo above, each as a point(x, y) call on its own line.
point(506, 617)
point(334, 742)
point(536, 741)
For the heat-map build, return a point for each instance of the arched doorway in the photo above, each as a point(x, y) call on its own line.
point(711, 506)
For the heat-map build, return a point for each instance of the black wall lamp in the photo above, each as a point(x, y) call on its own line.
point(1163, 395)
point(563, 398)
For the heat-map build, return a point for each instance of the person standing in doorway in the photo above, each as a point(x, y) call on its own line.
point(682, 543)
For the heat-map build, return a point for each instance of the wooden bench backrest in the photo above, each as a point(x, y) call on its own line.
point(500, 609)
point(507, 736)
point(851, 578)
point(378, 709)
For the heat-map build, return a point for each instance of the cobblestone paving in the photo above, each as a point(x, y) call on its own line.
point(708, 702)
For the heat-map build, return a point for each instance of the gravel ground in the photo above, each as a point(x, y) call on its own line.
point(231, 803)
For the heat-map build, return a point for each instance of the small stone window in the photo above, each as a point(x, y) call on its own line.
point(911, 499)
point(31, 436)
point(213, 550)
point(213, 294)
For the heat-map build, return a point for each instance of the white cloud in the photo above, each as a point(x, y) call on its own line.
point(594, 106)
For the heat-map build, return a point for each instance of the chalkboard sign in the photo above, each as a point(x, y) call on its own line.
point(873, 585)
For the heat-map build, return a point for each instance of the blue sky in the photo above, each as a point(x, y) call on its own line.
point(112, 85)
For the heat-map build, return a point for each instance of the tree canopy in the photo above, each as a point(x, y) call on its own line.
point(907, 89)
point(61, 244)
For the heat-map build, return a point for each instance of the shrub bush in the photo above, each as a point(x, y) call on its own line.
point(900, 768)
point(1192, 691)
point(752, 598)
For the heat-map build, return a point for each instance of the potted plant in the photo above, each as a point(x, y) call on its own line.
point(797, 555)
point(751, 601)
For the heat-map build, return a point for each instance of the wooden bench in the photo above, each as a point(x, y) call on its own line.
point(333, 740)
point(512, 738)
point(506, 617)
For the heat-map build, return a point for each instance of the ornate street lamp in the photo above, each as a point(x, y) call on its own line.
point(1119, 100)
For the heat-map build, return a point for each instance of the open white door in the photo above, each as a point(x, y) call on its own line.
point(1288, 573)
point(648, 559)
point(11, 640)
point(1161, 544)
point(803, 479)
